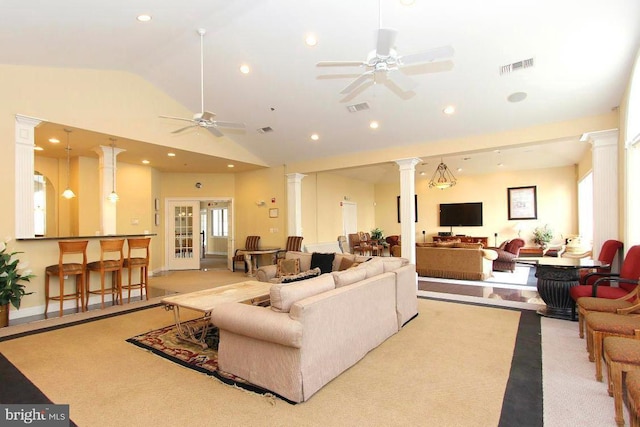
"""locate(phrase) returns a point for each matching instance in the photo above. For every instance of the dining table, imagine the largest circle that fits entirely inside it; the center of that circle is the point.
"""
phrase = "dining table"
(555, 277)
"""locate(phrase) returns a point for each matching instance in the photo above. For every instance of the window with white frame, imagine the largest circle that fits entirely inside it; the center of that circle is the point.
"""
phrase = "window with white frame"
(219, 222)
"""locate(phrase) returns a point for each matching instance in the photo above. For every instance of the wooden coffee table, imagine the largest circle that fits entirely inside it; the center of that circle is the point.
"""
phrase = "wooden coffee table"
(206, 301)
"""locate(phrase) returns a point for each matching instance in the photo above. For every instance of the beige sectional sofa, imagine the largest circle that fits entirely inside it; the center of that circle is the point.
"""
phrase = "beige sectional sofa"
(316, 328)
(464, 261)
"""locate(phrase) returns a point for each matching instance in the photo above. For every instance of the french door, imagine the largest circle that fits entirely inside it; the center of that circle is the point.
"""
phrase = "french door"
(184, 235)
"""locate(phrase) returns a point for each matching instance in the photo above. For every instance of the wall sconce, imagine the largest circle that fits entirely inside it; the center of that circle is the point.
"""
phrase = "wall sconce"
(260, 203)
(68, 192)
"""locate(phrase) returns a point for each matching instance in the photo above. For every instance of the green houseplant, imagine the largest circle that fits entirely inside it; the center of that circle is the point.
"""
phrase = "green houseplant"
(376, 234)
(13, 274)
(542, 235)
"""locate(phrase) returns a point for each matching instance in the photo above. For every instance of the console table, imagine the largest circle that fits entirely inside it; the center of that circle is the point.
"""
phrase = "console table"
(463, 239)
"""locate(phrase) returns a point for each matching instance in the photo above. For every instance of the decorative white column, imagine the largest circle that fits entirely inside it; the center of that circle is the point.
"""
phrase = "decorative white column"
(294, 204)
(605, 186)
(107, 169)
(407, 207)
(25, 140)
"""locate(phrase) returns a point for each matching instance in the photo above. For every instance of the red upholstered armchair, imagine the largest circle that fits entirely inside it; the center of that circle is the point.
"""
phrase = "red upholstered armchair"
(608, 252)
(508, 251)
(251, 244)
(627, 280)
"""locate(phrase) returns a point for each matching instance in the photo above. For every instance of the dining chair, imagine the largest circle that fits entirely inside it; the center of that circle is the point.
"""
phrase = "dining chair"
(139, 247)
(622, 355)
(632, 382)
(251, 244)
(63, 269)
(294, 243)
(111, 261)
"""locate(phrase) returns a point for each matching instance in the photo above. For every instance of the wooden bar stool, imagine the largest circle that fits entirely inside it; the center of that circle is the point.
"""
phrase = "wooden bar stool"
(62, 269)
(105, 265)
(131, 262)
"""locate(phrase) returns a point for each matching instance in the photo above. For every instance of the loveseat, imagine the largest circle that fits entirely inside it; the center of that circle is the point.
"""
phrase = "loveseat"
(317, 328)
(454, 260)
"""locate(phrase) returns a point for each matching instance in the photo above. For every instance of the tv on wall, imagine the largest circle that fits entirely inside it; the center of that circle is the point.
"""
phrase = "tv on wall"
(461, 214)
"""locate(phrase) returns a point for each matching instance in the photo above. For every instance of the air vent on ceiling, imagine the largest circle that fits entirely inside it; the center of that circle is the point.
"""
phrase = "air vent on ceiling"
(358, 107)
(265, 129)
(520, 65)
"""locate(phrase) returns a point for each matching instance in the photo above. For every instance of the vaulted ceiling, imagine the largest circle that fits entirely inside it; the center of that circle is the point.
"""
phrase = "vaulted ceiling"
(581, 53)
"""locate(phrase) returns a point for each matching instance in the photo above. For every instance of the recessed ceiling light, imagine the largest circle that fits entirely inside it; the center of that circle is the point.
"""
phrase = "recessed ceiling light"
(422, 173)
(517, 97)
(459, 169)
(231, 166)
(146, 162)
(38, 148)
(315, 136)
(244, 69)
(449, 109)
(171, 154)
(500, 165)
(54, 140)
(374, 125)
(311, 40)
(144, 18)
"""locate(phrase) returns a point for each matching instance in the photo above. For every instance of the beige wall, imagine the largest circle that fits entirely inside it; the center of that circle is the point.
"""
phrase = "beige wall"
(322, 194)
(557, 204)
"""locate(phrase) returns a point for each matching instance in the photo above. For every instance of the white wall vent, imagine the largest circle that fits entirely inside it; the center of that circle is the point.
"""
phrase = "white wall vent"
(265, 129)
(357, 107)
(520, 65)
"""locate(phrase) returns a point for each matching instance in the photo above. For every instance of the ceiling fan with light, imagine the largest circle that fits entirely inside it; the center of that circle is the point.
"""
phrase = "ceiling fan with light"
(205, 119)
(384, 61)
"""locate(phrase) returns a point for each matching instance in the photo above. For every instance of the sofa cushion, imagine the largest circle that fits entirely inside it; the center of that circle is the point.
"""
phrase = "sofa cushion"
(342, 261)
(283, 295)
(323, 261)
(392, 264)
(301, 276)
(448, 243)
(348, 277)
(373, 267)
(304, 257)
(468, 245)
(288, 267)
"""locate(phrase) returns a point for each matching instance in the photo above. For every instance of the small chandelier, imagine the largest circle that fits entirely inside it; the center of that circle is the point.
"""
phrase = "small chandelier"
(68, 193)
(113, 197)
(442, 177)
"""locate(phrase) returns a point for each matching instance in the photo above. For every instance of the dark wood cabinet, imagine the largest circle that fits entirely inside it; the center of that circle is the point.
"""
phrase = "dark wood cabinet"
(463, 239)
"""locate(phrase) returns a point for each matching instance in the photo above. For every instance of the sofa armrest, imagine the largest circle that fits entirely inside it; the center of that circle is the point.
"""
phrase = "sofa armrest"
(266, 272)
(259, 323)
(489, 254)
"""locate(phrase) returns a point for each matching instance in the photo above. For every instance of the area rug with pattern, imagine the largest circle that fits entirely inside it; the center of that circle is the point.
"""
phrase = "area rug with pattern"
(165, 343)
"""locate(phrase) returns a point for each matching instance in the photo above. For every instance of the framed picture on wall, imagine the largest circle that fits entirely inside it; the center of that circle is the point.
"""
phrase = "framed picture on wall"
(415, 202)
(522, 202)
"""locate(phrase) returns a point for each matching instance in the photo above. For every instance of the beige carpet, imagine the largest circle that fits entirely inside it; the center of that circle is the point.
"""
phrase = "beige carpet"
(448, 367)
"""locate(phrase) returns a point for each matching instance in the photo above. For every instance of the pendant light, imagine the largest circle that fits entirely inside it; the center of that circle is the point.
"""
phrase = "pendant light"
(68, 193)
(113, 197)
(442, 177)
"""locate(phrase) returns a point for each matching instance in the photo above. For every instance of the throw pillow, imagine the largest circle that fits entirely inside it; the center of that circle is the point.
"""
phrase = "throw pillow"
(301, 276)
(323, 261)
(288, 267)
(345, 263)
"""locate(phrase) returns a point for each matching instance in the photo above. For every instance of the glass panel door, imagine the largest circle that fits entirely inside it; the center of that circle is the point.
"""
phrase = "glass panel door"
(184, 240)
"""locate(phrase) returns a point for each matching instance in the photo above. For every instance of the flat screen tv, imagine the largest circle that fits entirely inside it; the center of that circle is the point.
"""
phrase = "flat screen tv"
(461, 214)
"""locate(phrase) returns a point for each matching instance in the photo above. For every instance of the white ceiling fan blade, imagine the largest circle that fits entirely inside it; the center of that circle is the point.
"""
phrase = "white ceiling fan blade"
(386, 41)
(214, 130)
(401, 80)
(176, 118)
(357, 82)
(340, 64)
(229, 124)
(428, 56)
(184, 128)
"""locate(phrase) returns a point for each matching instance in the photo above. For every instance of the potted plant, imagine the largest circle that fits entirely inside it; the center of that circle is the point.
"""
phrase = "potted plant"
(376, 234)
(12, 276)
(542, 235)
